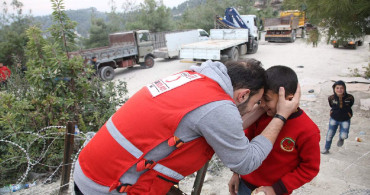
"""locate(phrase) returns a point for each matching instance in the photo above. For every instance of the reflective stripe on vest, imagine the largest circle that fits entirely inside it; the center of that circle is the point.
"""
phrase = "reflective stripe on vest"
(127, 145)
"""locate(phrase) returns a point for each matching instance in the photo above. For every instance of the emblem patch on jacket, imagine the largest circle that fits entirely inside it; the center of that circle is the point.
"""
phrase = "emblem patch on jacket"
(287, 144)
(171, 82)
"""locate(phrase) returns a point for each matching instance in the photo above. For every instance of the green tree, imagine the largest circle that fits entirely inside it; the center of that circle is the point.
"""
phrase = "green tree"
(13, 38)
(99, 33)
(203, 16)
(117, 20)
(56, 89)
(152, 15)
(341, 19)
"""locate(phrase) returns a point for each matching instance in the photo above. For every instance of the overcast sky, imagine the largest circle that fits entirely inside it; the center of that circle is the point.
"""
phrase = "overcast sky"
(43, 7)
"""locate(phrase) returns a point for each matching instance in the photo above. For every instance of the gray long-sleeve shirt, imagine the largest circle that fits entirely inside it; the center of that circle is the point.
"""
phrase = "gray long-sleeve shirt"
(218, 122)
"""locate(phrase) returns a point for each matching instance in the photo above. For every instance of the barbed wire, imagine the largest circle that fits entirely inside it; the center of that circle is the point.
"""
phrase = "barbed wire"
(33, 161)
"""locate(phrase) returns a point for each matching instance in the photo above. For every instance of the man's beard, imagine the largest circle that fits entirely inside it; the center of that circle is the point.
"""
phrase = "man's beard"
(243, 106)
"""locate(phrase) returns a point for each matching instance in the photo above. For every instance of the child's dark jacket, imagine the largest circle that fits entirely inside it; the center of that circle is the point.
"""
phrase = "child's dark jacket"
(341, 106)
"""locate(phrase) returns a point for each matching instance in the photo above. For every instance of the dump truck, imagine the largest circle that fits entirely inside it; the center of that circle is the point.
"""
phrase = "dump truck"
(223, 44)
(126, 49)
(286, 28)
(301, 15)
(174, 41)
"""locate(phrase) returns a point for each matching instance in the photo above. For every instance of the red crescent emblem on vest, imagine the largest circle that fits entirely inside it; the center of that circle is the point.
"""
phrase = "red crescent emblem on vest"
(177, 78)
(287, 144)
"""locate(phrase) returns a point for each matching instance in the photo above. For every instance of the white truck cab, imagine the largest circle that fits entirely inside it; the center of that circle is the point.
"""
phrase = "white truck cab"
(203, 35)
(251, 22)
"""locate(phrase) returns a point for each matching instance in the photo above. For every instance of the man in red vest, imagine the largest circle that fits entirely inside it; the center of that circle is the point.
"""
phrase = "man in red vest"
(4, 75)
(172, 127)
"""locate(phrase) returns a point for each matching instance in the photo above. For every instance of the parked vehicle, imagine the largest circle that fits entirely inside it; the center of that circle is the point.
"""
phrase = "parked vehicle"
(223, 44)
(301, 15)
(347, 43)
(125, 49)
(176, 39)
(290, 25)
(281, 29)
(233, 20)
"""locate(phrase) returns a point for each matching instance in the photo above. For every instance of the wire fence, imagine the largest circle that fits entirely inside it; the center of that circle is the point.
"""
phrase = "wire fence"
(46, 184)
(61, 171)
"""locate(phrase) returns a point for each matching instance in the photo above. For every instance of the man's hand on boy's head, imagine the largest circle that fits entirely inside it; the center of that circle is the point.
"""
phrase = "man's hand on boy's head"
(287, 107)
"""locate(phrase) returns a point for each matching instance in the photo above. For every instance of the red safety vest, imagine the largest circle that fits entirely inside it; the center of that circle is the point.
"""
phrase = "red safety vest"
(147, 119)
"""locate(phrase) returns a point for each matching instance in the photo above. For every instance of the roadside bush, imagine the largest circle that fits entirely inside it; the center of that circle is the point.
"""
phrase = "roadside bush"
(55, 89)
(358, 73)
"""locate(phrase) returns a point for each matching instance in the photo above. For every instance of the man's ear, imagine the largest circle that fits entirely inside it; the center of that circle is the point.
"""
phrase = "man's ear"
(243, 95)
(289, 97)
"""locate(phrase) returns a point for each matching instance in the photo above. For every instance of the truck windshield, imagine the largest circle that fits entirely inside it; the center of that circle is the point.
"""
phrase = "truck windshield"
(144, 37)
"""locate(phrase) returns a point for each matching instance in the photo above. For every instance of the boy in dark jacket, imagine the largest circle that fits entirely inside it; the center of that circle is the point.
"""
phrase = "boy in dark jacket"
(340, 115)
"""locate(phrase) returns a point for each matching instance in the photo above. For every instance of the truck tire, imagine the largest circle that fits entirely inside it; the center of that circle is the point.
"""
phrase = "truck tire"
(233, 54)
(148, 62)
(107, 73)
(254, 47)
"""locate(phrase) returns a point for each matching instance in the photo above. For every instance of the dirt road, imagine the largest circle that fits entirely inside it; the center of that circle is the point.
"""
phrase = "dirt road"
(345, 170)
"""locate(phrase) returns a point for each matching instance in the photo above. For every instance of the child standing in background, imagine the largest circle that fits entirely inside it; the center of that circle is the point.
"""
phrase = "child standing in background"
(340, 115)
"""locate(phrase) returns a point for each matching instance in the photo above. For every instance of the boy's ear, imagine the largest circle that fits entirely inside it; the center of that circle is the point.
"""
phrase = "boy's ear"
(289, 97)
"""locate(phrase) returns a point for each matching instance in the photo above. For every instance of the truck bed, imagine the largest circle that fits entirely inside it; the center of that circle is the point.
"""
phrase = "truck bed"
(211, 49)
(282, 23)
(107, 54)
(278, 27)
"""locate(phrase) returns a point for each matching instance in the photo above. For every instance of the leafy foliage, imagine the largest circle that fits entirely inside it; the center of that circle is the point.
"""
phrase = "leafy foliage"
(81, 16)
(54, 90)
(345, 19)
(202, 16)
(152, 15)
(99, 32)
(12, 35)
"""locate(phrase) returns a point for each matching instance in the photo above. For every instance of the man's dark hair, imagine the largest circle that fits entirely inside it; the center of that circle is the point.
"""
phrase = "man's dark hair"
(247, 73)
(281, 76)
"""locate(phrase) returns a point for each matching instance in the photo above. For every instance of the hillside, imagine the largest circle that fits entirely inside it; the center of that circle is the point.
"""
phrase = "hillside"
(81, 16)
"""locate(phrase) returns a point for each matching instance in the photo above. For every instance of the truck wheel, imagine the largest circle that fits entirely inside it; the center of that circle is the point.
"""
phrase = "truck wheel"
(149, 62)
(336, 45)
(107, 73)
(233, 53)
(254, 47)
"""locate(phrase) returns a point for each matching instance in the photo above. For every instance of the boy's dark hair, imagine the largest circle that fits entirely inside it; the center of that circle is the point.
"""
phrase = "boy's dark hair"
(281, 76)
(247, 73)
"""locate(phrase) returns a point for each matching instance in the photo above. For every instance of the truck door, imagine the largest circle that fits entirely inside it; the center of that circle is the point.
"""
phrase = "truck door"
(145, 44)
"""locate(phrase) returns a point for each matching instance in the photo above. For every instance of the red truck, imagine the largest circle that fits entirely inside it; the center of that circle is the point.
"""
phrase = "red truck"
(125, 49)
